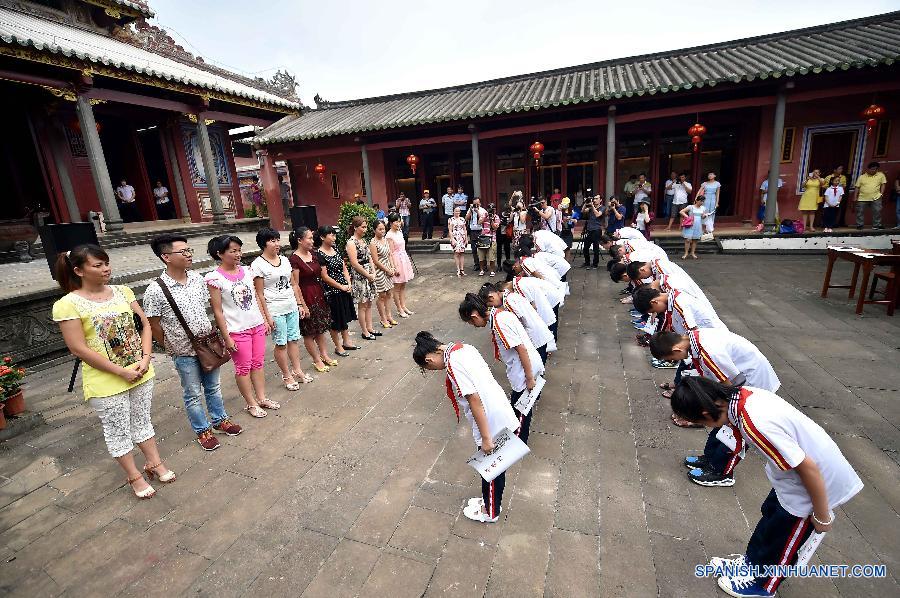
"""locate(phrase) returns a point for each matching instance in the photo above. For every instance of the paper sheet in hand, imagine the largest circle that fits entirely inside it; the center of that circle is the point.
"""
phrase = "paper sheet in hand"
(805, 552)
(526, 401)
(509, 449)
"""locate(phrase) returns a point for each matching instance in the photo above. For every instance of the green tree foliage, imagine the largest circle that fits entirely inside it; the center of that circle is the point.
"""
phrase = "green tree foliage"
(348, 211)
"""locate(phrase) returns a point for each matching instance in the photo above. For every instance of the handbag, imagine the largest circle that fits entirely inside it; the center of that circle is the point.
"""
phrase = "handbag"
(484, 241)
(687, 221)
(210, 348)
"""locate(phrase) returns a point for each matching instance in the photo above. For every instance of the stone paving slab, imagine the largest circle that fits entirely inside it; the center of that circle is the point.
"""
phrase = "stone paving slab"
(354, 487)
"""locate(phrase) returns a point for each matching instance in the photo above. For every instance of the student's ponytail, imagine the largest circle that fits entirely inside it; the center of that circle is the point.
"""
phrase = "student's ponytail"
(67, 261)
(425, 343)
(471, 303)
(696, 398)
(486, 289)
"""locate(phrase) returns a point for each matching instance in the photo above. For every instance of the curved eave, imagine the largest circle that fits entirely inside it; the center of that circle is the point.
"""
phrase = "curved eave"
(733, 78)
(86, 57)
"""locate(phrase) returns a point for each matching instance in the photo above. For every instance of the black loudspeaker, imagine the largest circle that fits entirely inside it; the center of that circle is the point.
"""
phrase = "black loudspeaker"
(59, 238)
(304, 216)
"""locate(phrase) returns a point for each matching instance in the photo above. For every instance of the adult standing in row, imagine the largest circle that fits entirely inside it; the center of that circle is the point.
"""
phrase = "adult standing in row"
(281, 304)
(628, 190)
(191, 296)
(127, 199)
(448, 203)
(504, 233)
(306, 277)
(487, 256)
(459, 241)
(669, 194)
(165, 209)
(403, 269)
(362, 278)
(642, 191)
(97, 322)
(593, 211)
(380, 251)
(681, 192)
(427, 207)
(336, 280)
(239, 317)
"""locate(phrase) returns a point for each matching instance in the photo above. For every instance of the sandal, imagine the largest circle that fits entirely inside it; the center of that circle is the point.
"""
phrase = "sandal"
(408, 312)
(269, 404)
(666, 394)
(350, 348)
(683, 423)
(667, 386)
(393, 322)
(166, 478)
(256, 411)
(368, 337)
(332, 362)
(303, 378)
(341, 353)
(147, 492)
(403, 315)
(290, 385)
(321, 369)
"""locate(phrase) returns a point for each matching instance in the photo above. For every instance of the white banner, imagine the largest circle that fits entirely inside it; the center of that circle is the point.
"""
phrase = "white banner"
(508, 449)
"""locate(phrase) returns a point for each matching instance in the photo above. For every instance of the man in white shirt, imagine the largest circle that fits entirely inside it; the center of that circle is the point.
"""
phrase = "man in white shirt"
(512, 346)
(726, 357)
(449, 204)
(548, 216)
(127, 198)
(427, 207)
(763, 198)
(682, 190)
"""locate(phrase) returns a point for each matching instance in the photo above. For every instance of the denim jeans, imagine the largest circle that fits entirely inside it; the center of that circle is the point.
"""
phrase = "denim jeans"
(405, 221)
(192, 379)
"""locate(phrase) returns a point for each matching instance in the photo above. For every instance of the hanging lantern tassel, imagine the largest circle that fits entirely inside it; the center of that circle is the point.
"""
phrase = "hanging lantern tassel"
(320, 170)
(537, 148)
(697, 131)
(873, 114)
(413, 161)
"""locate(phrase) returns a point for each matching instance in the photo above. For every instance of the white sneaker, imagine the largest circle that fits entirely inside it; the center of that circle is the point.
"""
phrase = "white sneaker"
(474, 512)
(475, 501)
(732, 560)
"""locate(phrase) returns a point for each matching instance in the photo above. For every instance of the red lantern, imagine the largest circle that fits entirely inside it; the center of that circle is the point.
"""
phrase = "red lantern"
(413, 161)
(697, 131)
(536, 149)
(320, 170)
(872, 114)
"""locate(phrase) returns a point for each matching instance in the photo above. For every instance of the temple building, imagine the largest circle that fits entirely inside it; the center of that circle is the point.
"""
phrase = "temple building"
(800, 96)
(94, 95)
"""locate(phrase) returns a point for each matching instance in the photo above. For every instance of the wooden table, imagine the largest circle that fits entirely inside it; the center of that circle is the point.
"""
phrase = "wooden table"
(865, 260)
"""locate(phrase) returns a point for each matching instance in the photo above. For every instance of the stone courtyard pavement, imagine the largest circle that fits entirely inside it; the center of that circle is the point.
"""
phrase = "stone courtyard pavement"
(355, 486)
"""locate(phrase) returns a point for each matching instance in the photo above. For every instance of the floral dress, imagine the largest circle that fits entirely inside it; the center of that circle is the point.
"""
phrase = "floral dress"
(319, 319)
(340, 303)
(458, 237)
(363, 289)
(383, 283)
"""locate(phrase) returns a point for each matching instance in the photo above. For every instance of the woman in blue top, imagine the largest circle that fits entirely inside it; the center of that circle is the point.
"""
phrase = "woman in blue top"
(693, 232)
(710, 191)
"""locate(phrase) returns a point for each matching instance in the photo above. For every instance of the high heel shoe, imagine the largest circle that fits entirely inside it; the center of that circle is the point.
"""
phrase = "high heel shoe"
(393, 322)
(166, 478)
(369, 337)
(376, 333)
(385, 325)
(290, 385)
(409, 312)
(403, 315)
(322, 369)
(147, 492)
(331, 362)
(304, 378)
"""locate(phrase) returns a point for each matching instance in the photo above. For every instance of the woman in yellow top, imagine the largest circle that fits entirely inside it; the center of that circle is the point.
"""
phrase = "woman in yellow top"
(809, 201)
(97, 322)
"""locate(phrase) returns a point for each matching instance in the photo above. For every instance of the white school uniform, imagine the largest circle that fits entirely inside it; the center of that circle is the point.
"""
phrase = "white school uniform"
(785, 437)
(642, 251)
(532, 266)
(724, 356)
(531, 320)
(557, 263)
(469, 373)
(508, 333)
(685, 313)
(627, 232)
(674, 276)
(544, 295)
(550, 242)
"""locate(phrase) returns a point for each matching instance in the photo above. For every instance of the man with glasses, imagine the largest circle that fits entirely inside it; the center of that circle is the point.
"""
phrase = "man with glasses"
(189, 291)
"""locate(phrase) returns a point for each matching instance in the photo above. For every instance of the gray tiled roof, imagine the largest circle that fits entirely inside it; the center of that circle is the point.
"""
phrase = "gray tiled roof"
(24, 30)
(139, 5)
(858, 43)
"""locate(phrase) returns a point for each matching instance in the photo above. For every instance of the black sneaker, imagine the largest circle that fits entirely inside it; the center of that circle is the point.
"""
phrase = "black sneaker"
(696, 462)
(704, 477)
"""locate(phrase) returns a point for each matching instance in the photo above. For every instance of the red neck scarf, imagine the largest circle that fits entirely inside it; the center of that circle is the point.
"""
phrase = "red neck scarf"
(451, 378)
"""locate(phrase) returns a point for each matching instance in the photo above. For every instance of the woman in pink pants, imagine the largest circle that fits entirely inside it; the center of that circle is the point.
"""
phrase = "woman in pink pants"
(241, 321)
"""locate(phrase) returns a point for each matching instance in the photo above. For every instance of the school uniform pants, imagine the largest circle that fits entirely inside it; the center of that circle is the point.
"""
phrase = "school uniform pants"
(721, 458)
(524, 420)
(542, 351)
(830, 216)
(492, 494)
(776, 539)
(555, 326)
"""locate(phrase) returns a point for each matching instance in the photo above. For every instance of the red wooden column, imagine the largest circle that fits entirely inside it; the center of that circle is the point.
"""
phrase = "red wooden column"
(268, 176)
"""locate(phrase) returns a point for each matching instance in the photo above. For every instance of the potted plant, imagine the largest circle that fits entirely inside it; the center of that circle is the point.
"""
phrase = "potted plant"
(11, 377)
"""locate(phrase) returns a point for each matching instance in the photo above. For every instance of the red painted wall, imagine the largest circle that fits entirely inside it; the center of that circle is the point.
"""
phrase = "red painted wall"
(308, 190)
(822, 112)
